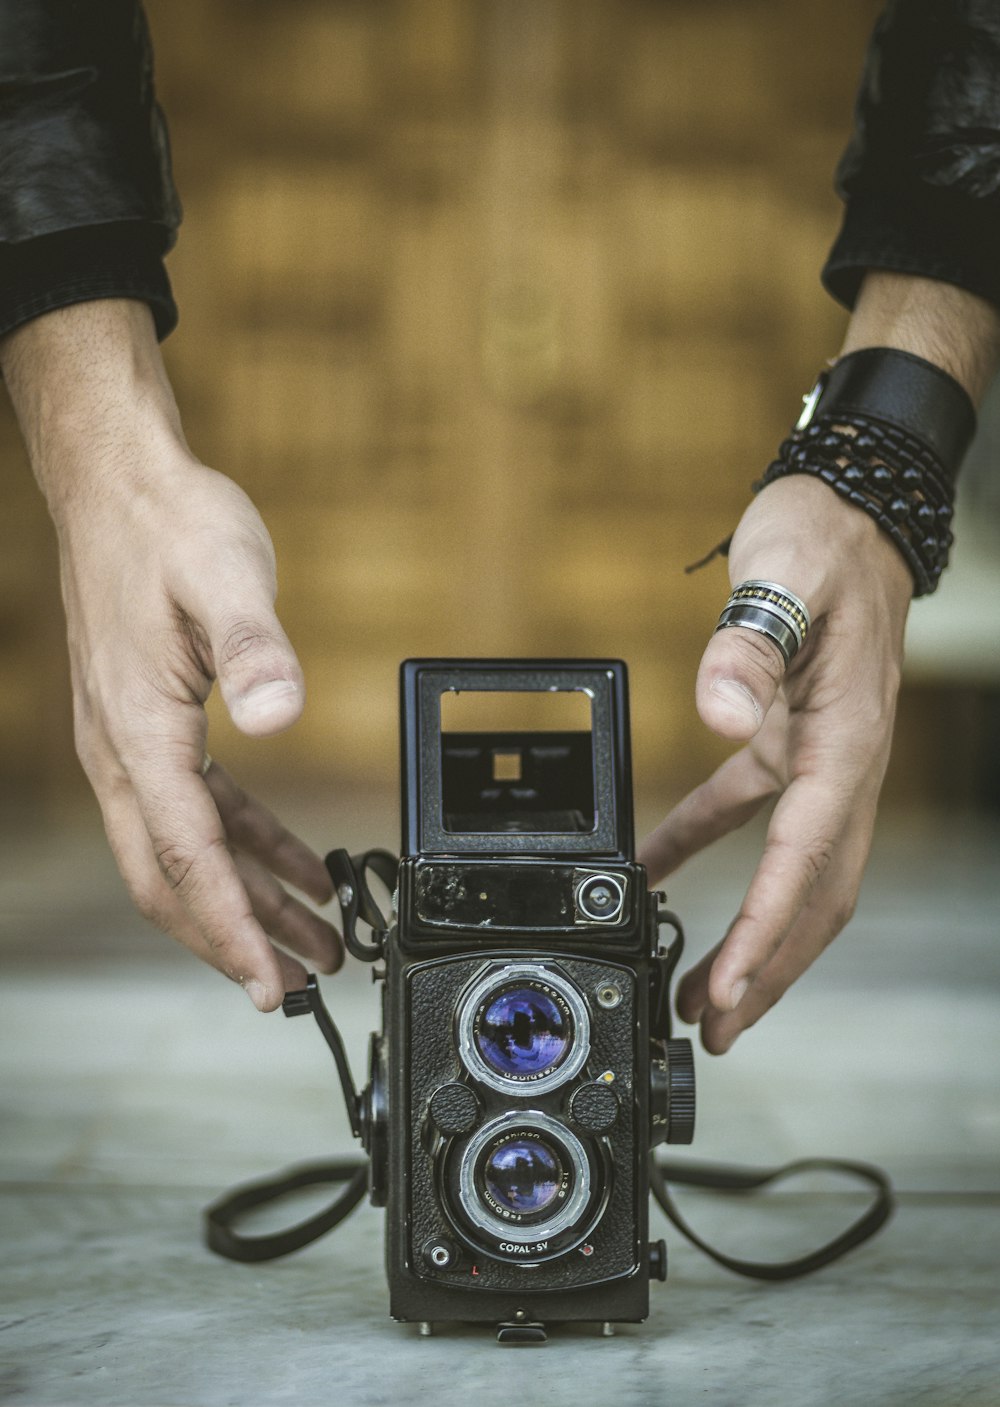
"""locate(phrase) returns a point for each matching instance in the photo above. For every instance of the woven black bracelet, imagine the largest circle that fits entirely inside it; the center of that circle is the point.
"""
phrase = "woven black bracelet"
(887, 431)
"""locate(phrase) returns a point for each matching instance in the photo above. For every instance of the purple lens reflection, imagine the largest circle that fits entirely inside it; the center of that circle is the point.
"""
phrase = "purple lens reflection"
(524, 1175)
(523, 1033)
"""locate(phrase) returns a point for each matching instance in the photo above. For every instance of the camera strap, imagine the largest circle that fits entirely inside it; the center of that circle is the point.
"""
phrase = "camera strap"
(222, 1237)
(715, 1177)
(222, 1217)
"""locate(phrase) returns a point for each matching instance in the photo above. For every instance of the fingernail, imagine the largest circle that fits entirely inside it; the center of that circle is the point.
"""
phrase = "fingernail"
(737, 992)
(260, 704)
(739, 698)
(257, 993)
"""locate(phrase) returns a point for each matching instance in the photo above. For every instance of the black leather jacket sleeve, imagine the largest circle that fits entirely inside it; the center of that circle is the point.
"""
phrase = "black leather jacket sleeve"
(921, 175)
(88, 208)
(87, 204)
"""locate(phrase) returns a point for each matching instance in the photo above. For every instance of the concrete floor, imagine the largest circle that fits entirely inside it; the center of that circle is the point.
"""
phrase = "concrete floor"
(137, 1085)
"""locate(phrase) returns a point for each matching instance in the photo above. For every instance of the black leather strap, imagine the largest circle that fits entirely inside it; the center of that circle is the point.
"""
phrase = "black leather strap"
(221, 1237)
(718, 1178)
(900, 389)
(234, 1245)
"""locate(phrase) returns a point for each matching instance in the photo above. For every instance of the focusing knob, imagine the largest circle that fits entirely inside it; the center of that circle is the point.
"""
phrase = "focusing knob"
(374, 1111)
(680, 1091)
(657, 1260)
(594, 1107)
(454, 1109)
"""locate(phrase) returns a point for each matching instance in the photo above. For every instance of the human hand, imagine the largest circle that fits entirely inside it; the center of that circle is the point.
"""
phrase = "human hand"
(169, 583)
(817, 738)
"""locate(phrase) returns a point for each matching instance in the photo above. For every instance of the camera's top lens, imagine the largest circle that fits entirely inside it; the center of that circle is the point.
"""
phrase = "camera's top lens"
(523, 1028)
(523, 1032)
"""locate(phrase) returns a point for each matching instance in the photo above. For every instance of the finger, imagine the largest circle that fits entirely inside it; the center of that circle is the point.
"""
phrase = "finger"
(259, 675)
(189, 845)
(154, 898)
(692, 990)
(158, 902)
(827, 913)
(252, 828)
(738, 678)
(286, 920)
(802, 836)
(293, 975)
(732, 795)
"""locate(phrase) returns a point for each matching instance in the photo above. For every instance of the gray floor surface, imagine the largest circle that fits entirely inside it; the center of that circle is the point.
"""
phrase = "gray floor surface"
(136, 1085)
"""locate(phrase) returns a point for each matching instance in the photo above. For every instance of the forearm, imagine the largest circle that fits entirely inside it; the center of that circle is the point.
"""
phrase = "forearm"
(956, 330)
(92, 397)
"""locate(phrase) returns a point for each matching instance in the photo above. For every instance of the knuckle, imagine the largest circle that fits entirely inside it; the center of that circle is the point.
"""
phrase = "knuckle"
(182, 863)
(177, 864)
(761, 660)
(816, 859)
(813, 857)
(242, 639)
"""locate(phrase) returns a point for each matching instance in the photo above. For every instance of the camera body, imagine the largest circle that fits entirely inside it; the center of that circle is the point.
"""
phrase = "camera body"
(525, 1068)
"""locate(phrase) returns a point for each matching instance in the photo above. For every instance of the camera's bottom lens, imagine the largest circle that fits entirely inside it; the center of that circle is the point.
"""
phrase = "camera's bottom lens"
(524, 1175)
(525, 1188)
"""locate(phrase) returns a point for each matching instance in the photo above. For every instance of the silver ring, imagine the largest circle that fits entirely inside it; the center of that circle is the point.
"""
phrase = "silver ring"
(573, 1196)
(771, 610)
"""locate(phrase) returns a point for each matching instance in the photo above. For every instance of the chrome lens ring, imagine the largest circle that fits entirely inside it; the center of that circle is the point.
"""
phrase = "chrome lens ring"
(574, 1199)
(552, 987)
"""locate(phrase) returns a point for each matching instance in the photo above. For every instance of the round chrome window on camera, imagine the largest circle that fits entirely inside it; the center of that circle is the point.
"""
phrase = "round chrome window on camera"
(525, 1179)
(599, 898)
(523, 1029)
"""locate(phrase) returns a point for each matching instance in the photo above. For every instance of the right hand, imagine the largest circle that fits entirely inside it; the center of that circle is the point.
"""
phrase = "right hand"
(166, 591)
(169, 583)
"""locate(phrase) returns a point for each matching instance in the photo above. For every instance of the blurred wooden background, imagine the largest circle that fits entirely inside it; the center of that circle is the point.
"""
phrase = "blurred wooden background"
(496, 308)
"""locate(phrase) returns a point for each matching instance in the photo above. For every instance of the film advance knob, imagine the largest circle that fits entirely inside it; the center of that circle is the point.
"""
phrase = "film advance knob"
(454, 1109)
(680, 1091)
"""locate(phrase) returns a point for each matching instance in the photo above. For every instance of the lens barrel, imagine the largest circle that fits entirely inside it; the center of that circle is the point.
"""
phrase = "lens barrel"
(523, 1029)
(526, 1187)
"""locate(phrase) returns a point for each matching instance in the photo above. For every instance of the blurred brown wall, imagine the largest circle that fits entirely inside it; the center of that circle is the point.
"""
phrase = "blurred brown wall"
(495, 307)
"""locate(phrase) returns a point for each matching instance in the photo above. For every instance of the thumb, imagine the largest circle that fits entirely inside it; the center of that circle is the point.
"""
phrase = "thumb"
(738, 679)
(258, 673)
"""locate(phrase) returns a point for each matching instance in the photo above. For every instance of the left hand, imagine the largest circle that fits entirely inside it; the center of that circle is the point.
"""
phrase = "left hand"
(817, 738)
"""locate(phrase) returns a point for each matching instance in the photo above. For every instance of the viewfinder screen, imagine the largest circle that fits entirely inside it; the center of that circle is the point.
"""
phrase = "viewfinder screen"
(517, 761)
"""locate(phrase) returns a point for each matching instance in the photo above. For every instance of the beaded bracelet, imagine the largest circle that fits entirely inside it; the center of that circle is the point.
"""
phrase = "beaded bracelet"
(887, 431)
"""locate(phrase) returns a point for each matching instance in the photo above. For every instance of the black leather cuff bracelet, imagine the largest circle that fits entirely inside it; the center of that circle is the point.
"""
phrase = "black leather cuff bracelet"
(888, 432)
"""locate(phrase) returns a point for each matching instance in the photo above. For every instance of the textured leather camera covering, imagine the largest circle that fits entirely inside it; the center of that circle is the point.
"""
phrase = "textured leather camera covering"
(431, 1058)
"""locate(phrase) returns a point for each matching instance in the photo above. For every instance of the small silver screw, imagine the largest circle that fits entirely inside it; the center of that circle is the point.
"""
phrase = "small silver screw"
(346, 894)
(609, 996)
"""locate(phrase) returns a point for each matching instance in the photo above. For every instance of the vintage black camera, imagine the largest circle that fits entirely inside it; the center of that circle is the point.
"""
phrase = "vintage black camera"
(525, 1068)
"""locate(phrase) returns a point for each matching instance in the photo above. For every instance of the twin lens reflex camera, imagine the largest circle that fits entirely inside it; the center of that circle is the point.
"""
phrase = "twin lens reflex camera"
(525, 1068)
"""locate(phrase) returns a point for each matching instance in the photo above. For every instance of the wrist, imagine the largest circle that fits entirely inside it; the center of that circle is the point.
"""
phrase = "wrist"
(92, 398)
(953, 329)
